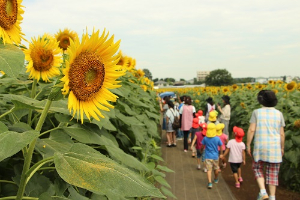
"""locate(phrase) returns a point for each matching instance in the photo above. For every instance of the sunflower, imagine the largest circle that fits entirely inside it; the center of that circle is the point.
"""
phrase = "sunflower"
(290, 86)
(89, 74)
(63, 37)
(10, 20)
(235, 87)
(225, 90)
(271, 82)
(197, 101)
(279, 82)
(243, 105)
(144, 87)
(249, 86)
(44, 58)
(275, 91)
(139, 73)
(297, 123)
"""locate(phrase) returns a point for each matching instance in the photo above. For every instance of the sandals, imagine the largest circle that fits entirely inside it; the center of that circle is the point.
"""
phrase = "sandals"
(237, 185)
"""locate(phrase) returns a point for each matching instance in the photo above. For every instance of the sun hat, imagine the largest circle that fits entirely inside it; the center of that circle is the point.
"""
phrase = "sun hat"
(267, 98)
(195, 123)
(204, 128)
(211, 130)
(212, 116)
(197, 115)
(239, 133)
(200, 112)
(219, 128)
(226, 98)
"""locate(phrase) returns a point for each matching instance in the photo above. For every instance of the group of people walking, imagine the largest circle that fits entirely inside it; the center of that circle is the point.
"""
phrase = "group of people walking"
(209, 133)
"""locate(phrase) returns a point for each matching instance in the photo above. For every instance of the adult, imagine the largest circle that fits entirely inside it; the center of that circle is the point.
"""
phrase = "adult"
(164, 109)
(187, 113)
(179, 131)
(225, 113)
(267, 128)
(170, 116)
(210, 106)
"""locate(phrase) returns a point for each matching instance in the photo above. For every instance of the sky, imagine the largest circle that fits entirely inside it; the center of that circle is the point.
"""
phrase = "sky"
(177, 38)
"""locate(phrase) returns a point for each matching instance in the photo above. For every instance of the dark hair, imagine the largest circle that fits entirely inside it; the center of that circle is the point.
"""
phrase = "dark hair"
(226, 99)
(170, 104)
(167, 99)
(182, 98)
(210, 101)
(267, 98)
(188, 100)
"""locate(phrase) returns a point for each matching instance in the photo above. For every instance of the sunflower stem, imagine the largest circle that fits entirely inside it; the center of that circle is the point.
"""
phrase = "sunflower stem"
(8, 112)
(32, 95)
(28, 157)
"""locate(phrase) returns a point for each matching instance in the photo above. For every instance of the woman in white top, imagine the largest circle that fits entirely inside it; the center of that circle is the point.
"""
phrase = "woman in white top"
(225, 113)
(170, 116)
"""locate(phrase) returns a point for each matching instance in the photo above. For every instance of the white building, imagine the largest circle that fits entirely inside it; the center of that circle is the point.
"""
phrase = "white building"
(261, 80)
(202, 74)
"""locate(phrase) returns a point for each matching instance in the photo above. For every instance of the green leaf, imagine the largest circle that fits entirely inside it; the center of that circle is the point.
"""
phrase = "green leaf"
(75, 196)
(11, 59)
(3, 127)
(87, 168)
(58, 141)
(39, 184)
(168, 192)
(126, 159)
(137, 148)
(12, 142)
(127, 108)
(151, 165)
(162, 181)
(46, 196)
(157, 157)
(128, 120)
(164, 168)
(296, 140)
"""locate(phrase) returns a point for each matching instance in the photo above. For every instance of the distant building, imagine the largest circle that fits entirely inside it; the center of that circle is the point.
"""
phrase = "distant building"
(288, 79)
(179, 83)
(276, 78)
(261, 80)
(201, 75)
(161, 83)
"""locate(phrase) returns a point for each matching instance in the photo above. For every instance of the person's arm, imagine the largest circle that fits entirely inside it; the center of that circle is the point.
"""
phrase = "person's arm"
(250, 135)
(194, 140)
(221, 151)
(282, 139)
(225, 153)
(244, 158)
(167, 120)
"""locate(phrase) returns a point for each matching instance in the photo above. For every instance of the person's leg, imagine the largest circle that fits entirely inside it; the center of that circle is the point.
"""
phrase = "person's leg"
(258, 173)
(209, 167)
(169, 138)
(198, 159)
(174, 138)
(185, 140)
(272, 172)
(216, 169)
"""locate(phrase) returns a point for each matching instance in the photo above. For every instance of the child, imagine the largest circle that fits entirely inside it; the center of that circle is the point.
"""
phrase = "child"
(201, 117)
(212, 117)
(170, 117)
(224, 139)
(211, 143)
(236, 148)
(198, 138)
(195, 128)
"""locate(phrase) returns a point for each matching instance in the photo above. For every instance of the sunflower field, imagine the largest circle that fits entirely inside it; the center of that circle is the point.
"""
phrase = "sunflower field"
(243, 101)
(77, 119)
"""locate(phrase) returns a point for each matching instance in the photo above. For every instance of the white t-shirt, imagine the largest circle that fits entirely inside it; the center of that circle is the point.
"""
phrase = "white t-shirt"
(236, 151)
(171, 113)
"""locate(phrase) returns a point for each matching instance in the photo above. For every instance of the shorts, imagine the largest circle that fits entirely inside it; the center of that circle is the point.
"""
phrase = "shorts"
(212, 164)
(170, 127)
(235, 167)
(199, 154)
(272, 171)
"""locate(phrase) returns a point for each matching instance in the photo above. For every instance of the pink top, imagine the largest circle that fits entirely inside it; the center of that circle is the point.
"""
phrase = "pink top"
(187, 117)
(223, 139)
(236, 151)
(199, 139)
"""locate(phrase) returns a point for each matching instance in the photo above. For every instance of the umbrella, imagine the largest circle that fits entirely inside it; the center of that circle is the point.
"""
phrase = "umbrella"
(162, 95)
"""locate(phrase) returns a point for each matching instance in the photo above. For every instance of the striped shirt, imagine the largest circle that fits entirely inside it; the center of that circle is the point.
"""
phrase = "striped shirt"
(267, 146)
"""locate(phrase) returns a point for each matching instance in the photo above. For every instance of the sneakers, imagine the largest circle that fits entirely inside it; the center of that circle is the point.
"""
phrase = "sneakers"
(180, 138)
(169, 145)
(205, 170)
(216, 180)
(240, 179)
(209, 185)
(198, 167)
(237, 185)
(262, 196)
(185, 151)
(174, 145)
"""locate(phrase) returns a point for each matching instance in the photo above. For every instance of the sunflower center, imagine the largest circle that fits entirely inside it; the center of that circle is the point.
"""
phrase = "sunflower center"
(290, 86)
(42, 59)
(8, 13)
(64, 42)
(86, 75)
